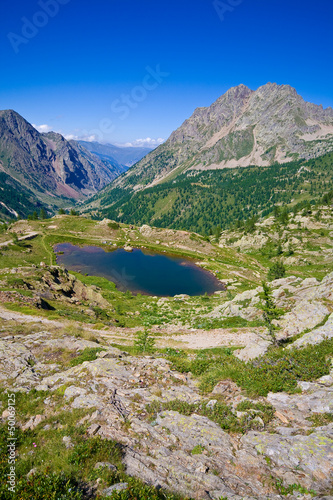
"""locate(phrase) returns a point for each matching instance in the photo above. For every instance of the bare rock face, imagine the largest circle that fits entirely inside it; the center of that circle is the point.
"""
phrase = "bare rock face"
(48, 163)
(190, 454)
(317, 335)
(298, 458)
(305, 315)
(56, 282)
(243, 127)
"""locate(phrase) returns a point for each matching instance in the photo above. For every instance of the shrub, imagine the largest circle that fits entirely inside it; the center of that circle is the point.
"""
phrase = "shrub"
(144, 342)
(113, 225)
(277, 271)
(270, 312)
(88, 354)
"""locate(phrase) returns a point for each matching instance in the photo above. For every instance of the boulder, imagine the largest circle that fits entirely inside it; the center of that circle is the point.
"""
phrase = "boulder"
(315, 336)
(105, 465)
(108, 492)
(146, 230)
(303, 316)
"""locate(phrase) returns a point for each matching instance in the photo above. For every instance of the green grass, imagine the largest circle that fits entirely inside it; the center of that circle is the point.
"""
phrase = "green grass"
(277, 371)
(88, 354)
(320, 419)
(220, 413)
(27, 403)
(232, 322)
(197, 450)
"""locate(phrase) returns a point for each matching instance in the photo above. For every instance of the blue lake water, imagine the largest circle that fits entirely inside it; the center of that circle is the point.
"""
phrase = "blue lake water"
(140, 271)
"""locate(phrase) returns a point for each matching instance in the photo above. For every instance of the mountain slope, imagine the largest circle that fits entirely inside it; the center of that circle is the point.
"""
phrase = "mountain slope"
(242, 128)
(202, 201)
(47, 164)
(124, 156)
(15, 200)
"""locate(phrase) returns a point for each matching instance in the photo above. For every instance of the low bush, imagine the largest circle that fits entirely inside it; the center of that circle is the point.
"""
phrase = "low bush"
(219, 413)
(88, 354)
(279, 370)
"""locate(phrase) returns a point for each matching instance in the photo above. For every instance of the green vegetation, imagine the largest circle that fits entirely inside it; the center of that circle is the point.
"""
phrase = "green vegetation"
(277, 371)
(89, 354)
(319, 419)
(270, 312)
(144, 342)
(277, 271)
(289, 490)
(231, 322)
(17, 198)
(218, 412)
(202, 201)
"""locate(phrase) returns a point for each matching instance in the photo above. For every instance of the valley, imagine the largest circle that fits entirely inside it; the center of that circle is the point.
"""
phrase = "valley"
(166, 324)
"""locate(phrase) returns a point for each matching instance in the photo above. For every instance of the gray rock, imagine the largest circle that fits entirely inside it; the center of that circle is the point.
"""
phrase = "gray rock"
(305, 315)
(317, 399)
(311, 454)
(73, 391)
(211, 403)
(315, 336)
(116, 487)
(31, 472)
(195, 430)
(253, 350)
(93, 429)
(67, 440)
(33, 422)
(106, 465)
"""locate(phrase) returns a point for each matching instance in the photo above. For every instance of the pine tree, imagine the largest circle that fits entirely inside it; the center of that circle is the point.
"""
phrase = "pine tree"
(270, 312)
(144, 342)
(42, 214)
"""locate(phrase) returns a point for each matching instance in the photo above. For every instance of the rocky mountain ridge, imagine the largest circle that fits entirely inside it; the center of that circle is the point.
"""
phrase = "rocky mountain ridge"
(48, 164)
(124, 156)
(243, 127)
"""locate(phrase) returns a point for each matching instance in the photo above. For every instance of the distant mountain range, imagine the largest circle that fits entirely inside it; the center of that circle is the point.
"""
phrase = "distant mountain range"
(125, 157)
(272, 125)
(45, 170)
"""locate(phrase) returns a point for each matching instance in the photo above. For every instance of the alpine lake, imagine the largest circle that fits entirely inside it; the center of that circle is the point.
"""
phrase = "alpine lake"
(140, 270)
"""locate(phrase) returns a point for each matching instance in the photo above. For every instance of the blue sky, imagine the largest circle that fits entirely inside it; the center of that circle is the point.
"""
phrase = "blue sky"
(123, 71)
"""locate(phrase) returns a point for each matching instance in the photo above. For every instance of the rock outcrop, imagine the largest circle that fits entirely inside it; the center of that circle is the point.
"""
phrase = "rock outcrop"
(189, 454)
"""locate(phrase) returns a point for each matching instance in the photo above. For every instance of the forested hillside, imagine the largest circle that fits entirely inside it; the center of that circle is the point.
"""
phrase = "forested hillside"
(202, 201)
(16, 200)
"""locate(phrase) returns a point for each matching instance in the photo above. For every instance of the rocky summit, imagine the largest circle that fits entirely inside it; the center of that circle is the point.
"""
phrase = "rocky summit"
(243, 127)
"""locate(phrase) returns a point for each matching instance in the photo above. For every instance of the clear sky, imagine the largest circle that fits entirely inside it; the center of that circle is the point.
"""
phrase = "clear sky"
(125, 70)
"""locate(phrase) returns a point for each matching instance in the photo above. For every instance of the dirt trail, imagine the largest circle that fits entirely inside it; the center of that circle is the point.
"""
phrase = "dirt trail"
(28, 236)
(169, 336)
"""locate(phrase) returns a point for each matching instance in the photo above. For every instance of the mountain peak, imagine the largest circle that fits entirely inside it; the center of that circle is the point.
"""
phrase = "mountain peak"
(10, 112)
(47, 164)
(238, 88)
(272, 124)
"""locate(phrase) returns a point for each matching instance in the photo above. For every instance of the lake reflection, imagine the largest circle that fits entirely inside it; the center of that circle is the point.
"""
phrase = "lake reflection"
(139, 271)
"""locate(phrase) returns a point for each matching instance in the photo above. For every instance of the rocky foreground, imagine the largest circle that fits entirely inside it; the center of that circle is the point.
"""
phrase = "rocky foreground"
(190, 454)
